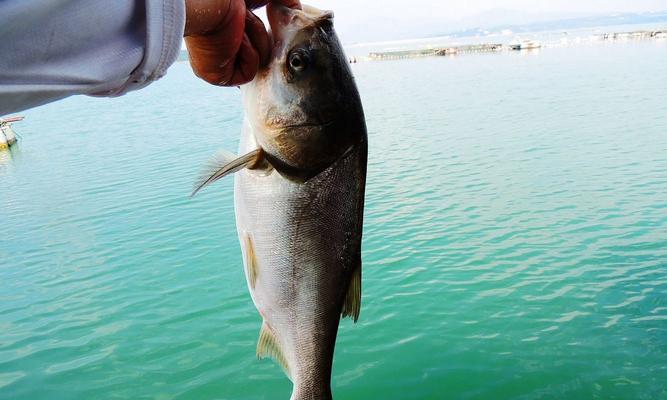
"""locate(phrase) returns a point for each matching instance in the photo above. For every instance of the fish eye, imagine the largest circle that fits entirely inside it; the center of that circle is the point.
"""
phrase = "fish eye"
(298, 60)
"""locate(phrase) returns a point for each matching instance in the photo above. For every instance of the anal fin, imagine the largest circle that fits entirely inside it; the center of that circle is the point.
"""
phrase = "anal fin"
(268, 346)
(352, 304)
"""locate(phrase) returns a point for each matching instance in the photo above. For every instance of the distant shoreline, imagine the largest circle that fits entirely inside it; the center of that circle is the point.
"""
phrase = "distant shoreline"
(517, 45)
(482, 46)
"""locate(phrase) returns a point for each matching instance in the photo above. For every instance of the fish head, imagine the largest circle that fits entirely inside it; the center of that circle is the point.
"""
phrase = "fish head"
(303, 106)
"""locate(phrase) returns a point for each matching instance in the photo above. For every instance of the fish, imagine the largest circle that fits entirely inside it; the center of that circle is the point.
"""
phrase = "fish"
(299, 187)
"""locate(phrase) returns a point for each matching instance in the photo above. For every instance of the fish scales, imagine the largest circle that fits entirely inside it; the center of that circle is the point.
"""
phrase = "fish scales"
(301, 235)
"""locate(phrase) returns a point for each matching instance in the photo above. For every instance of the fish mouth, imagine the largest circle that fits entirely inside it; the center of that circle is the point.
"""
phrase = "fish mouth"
(320, 125)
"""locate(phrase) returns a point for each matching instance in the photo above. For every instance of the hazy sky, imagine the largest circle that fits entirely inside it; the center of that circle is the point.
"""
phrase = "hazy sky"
(361, 20)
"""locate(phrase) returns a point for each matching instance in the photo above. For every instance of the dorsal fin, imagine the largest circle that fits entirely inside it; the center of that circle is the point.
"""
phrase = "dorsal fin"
(352, 304)
(225, 163)
(267, 346)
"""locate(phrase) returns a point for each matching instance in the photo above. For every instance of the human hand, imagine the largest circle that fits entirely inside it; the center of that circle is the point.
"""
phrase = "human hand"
(227, 42)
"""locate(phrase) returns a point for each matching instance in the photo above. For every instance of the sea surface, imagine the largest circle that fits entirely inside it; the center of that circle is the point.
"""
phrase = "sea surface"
(515, 242)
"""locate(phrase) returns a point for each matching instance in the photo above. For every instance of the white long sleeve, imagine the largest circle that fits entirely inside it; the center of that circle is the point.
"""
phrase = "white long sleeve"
(51, 49)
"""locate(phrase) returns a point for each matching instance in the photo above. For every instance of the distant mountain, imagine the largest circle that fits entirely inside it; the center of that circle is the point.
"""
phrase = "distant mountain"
(508, 17)
(398, 27)
(522, 22)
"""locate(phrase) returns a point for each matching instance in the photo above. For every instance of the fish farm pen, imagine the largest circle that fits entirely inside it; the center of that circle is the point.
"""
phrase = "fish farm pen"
(444, 51)
(498, 47)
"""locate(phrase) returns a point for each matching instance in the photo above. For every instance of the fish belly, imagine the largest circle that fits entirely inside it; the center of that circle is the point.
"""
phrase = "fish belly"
(300, 243)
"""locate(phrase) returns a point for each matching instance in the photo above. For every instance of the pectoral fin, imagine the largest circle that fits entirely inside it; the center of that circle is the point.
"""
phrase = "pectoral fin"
(352, 304)
(225, 163)
(268, 346)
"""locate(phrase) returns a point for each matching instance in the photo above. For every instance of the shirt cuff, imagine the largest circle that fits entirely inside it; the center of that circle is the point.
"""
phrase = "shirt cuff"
(165, 24)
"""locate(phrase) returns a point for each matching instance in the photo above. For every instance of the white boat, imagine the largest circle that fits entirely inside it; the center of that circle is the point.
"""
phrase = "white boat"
(7, 135)
(525, 45)
(530, 44)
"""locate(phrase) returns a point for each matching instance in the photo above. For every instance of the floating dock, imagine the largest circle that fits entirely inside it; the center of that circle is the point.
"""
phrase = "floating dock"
(7, 135)
(661, 34)
(437, 51)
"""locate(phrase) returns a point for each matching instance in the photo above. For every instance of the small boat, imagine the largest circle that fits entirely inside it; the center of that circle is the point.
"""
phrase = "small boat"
(446, 51)
(525, 45)
(7, 135)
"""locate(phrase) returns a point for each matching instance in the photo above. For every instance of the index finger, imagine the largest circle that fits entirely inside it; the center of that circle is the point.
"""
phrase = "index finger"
(256, 32)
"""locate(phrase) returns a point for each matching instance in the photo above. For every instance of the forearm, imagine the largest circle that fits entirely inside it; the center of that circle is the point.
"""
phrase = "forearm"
(57, 48)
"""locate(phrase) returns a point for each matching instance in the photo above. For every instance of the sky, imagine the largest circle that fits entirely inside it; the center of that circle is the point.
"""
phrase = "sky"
(365, 20)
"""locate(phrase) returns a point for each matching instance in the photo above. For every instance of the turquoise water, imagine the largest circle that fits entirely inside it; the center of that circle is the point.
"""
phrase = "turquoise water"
(515, 238)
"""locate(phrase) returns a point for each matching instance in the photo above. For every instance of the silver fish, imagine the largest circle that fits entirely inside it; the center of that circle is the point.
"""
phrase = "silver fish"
(299, 196)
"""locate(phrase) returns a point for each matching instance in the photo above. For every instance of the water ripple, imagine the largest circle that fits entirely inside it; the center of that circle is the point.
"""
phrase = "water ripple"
(514, 240)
